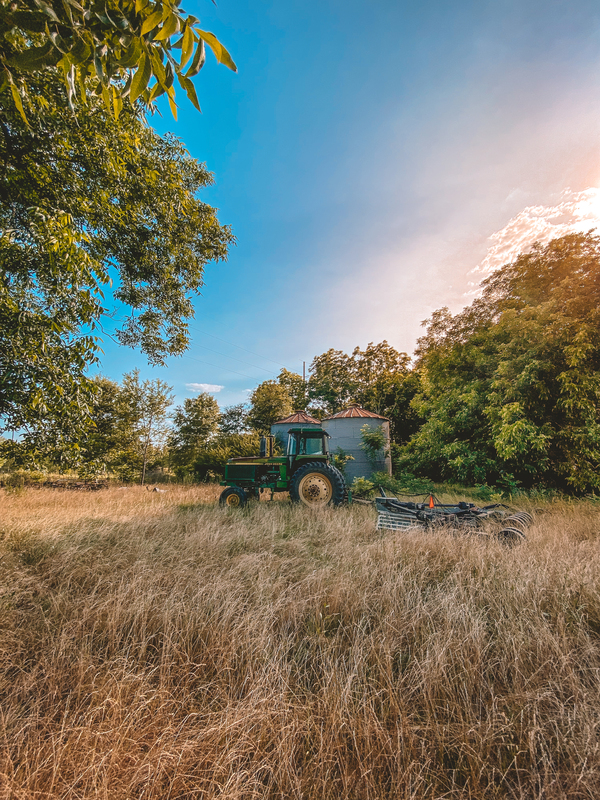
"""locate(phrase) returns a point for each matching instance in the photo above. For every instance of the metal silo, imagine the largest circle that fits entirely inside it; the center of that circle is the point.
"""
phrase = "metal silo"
(344, 430)
(299, 419)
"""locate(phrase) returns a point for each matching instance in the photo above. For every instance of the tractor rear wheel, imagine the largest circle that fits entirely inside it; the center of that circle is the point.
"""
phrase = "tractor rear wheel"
(233, 497)
(317, 485)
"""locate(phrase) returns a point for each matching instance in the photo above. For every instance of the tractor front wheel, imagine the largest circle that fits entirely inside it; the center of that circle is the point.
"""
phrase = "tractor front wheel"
(317, 485)
(233, 497)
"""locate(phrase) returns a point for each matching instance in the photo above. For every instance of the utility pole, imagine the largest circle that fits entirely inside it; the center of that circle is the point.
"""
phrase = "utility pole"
(304, 371)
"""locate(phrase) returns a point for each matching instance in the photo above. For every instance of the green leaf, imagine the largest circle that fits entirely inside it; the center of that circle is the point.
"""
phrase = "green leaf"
(47, 9)
(132, 55)
(158, 69)
(170, 76)
(152, 21)
(198, 61)
(157, 91)
(141, 78)
(187, 46)
(215, 45)
(99, 69)
(170, 27)
(17, 100)
(117, 102)
(171, 96)
(81, 73)
(36, 58)
(190, 90)
(75, 4)
(81, 51)
(59, 42)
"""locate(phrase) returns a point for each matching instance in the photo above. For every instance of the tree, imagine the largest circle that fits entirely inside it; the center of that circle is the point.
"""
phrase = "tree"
(296, 388)
(511, 385)
(148, 402)
(331, 384)
(194, 425)
(120, 49)
(110, 441)
(234, 419)
(386, 384)
(270, 401)
(87, 201)
(379, 378)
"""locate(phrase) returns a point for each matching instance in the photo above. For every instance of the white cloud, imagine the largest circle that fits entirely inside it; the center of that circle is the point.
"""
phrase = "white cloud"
(576, 212)
(211, 388)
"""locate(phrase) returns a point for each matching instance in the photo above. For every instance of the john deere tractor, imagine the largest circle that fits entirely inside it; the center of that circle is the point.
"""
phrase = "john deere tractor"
(305, 471)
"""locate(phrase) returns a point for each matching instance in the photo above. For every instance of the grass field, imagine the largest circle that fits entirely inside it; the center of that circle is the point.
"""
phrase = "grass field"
(153, 645)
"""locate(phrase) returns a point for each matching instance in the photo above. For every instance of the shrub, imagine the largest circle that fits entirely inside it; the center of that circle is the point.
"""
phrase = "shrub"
(373, 443)
(340, 459)
(361, 487)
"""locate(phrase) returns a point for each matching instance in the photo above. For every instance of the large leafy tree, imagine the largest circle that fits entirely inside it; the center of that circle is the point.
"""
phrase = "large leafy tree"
(511, 385)
(111, 444)
(269, 402)
(379, 378)
(98, 216)
(120, 49)
(195, 423)
(331, 385)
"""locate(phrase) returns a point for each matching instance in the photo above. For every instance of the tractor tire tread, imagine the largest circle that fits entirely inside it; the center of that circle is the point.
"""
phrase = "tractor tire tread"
(338, 483)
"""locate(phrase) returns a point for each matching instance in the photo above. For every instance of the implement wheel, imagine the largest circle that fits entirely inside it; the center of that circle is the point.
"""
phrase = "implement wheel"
(233, 497)
(317, 485)
(510, 536)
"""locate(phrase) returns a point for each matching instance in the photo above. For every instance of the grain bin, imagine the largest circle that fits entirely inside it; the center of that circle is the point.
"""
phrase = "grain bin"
(344, 428)
(299, 419)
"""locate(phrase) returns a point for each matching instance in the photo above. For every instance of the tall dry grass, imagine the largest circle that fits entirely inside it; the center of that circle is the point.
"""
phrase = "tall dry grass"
(156, 646)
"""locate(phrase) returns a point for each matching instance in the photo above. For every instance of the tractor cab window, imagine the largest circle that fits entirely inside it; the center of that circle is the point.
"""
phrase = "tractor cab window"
(292, 443)
(312, 446)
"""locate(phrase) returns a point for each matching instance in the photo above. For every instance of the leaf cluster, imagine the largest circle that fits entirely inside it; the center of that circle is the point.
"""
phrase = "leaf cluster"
(115, 49)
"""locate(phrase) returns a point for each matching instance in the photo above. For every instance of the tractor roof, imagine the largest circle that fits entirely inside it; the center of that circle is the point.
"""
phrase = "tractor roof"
(314, 431)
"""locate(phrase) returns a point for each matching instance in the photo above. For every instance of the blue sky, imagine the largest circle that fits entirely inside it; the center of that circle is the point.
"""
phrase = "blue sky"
(363, 155)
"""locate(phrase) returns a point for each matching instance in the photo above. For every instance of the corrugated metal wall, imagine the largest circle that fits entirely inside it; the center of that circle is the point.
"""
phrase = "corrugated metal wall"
(345, 434)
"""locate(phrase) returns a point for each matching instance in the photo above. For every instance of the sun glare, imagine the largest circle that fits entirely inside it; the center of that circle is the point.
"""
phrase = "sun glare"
(576, 212)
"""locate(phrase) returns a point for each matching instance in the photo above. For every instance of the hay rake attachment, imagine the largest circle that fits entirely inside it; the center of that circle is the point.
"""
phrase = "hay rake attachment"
(495, 520)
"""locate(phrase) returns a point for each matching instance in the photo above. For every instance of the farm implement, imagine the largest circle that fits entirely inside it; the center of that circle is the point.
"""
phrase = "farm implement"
(496, 520)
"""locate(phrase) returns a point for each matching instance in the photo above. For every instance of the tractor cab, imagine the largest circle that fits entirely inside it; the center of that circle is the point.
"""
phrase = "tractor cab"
(307, 442)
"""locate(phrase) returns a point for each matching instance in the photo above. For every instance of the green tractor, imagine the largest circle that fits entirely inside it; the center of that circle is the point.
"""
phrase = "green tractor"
(305, 471)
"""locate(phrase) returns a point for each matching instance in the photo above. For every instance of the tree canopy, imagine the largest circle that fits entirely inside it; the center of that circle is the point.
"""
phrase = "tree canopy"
(270, 401)
(511, 385)
(99, 219)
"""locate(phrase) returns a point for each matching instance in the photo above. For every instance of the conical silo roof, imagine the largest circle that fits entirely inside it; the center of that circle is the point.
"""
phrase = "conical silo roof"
(298, 418)
(353, 411)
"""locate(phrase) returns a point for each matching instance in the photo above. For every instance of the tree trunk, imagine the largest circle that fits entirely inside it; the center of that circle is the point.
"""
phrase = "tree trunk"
(146, 445)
